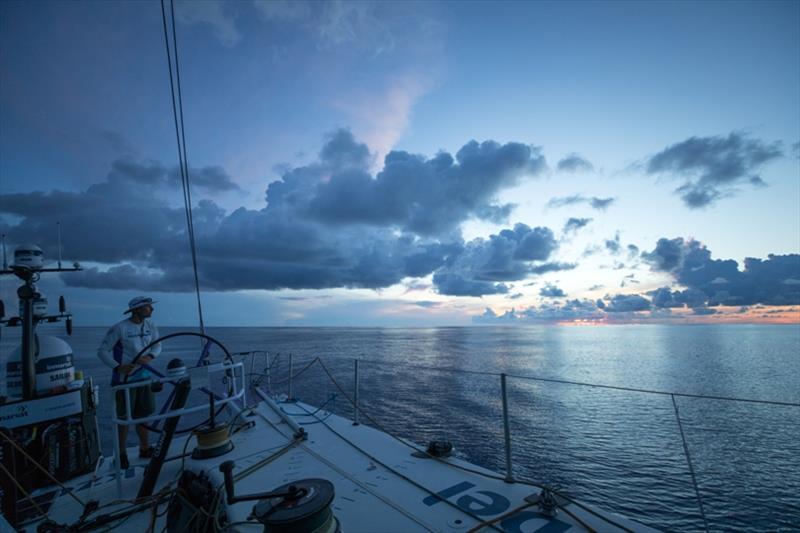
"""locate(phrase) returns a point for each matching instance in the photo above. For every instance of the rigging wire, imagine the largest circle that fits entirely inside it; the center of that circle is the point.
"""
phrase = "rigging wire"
(689, 461)
(584, 384)
(180, 135)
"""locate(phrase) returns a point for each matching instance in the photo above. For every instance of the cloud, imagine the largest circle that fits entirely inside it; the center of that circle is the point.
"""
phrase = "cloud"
(153, 174)
(547, 313)
(457, 285)
(327, 224)
(712, 166)
(627, 303)
(574, 224)
(551, 291)
(720, 282)
(613, 245)
(427, 304)
(423, 196)
(215, 15)
(596, 203)
(574, 163)
(510, 255)
(554, 266)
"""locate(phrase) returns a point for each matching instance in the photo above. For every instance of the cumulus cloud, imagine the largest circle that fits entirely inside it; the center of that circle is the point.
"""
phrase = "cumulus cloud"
(720, 282)
(551, 291)
(547, 313)
(421, 195)
(627, 303)
(574, 163)
(596, 203)
(327, 224)
(510, 255)
(712, 166)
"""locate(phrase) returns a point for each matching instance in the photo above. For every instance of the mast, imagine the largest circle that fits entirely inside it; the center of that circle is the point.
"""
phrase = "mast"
(27, 293)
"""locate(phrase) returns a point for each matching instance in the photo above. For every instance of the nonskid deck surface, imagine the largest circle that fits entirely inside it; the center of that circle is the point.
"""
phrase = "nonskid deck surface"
(379, 485)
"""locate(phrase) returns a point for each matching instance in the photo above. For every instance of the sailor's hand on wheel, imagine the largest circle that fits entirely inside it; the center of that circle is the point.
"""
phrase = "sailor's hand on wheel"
(126, 369)
(145, 359)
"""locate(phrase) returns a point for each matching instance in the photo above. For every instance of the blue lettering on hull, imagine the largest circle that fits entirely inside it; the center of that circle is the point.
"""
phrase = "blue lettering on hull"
(485, 504)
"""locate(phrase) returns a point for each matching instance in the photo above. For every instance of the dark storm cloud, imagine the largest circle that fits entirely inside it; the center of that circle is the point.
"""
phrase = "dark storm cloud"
(773, 281)
(325, 225)
(574, 163)
(551, 291)
(424, 196)
(594, 201)
(712, 166)
(574, 224)
(507, 256)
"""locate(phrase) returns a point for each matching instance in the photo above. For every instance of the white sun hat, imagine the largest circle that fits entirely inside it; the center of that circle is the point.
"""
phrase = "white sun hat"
(139, 301)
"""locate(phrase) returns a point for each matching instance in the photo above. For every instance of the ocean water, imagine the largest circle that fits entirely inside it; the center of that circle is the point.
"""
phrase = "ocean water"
(621, 450)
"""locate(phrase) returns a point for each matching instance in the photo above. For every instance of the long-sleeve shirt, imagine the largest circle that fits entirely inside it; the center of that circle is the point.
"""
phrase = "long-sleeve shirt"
(123, 341)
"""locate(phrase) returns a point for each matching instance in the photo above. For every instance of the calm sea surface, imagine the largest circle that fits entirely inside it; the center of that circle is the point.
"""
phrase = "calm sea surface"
(618, 449)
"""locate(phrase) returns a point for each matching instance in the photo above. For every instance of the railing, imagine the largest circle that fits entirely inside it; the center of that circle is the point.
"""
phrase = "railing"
(234, 372)
(274, 359)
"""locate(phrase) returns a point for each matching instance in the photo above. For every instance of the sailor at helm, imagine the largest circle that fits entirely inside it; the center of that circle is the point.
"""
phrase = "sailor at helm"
(123, 341)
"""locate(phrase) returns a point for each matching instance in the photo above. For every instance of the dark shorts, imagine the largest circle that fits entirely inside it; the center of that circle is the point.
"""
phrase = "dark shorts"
(143, 402)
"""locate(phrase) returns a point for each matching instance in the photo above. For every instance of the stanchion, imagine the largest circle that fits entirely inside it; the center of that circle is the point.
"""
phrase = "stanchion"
(506, 430)
(291, 370)
(355, 393)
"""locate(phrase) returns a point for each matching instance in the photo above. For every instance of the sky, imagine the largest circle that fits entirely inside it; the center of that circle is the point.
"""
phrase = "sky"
(409, 164)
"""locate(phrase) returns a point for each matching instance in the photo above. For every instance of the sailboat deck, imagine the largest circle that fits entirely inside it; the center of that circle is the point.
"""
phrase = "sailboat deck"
(379, 485)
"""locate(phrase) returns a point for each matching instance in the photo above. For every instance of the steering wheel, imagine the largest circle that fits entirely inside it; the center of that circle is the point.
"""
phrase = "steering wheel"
(202, 361)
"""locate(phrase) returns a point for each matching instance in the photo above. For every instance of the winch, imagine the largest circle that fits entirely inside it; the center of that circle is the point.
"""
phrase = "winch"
(301, 506)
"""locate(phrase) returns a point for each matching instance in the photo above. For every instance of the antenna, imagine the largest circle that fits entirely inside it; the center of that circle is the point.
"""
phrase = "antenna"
(58, 225)
(5, 260)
